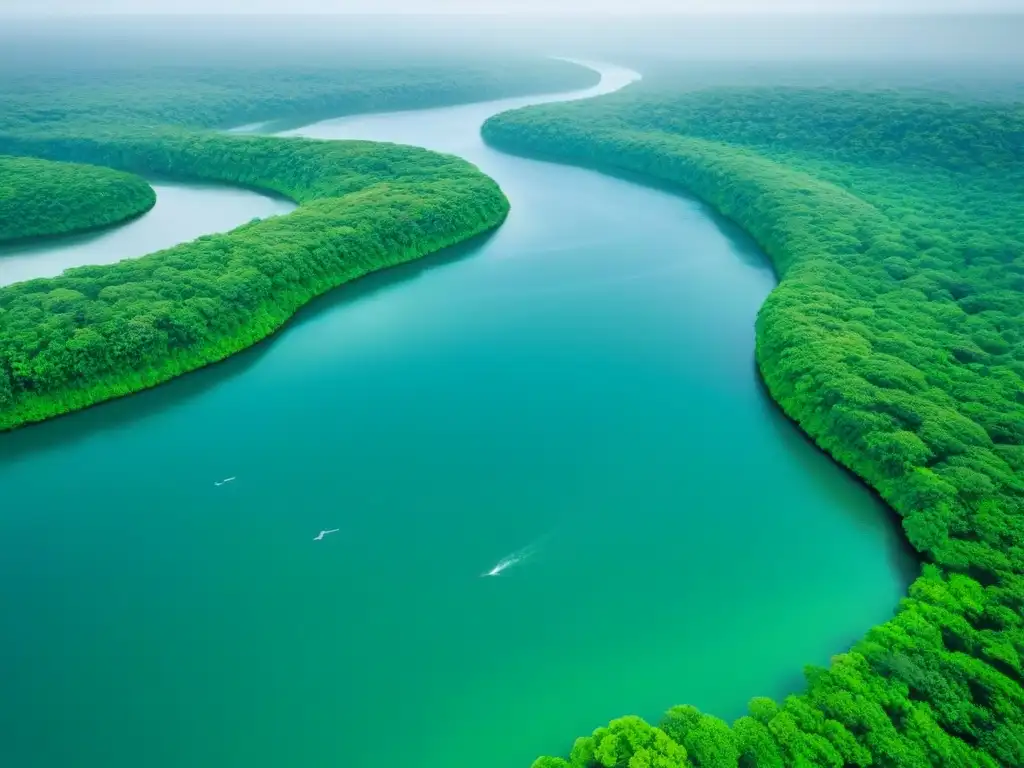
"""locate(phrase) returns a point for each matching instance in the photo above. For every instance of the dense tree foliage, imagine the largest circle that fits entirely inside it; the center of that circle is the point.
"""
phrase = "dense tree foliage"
(930, 78)
(221, 96)
(896, 340)
(99, 332)
(39, 197)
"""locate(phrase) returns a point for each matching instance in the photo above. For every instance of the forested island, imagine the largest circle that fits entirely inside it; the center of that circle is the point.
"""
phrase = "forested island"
(100, 332)
(39, 197)
(895, 339)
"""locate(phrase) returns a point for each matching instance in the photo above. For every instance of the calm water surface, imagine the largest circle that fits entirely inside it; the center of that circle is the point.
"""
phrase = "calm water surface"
(578, 388)
(182, 212)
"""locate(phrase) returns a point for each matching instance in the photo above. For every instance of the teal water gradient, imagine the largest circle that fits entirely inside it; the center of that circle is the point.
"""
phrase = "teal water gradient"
(582, 381)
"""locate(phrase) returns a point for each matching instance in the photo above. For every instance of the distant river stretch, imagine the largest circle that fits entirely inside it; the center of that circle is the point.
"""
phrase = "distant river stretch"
(550, 491)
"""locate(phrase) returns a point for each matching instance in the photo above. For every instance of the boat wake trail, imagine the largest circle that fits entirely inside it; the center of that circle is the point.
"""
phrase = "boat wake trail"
(516, 558)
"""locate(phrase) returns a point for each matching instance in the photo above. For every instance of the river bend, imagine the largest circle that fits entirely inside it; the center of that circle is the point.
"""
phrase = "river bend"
(574, 396)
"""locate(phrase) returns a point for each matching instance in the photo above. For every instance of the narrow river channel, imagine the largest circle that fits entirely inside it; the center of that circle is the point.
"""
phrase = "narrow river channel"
(182, 212)
(570, 403)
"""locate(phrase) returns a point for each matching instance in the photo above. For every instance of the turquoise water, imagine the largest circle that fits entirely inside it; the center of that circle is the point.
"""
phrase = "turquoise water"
(578, 387)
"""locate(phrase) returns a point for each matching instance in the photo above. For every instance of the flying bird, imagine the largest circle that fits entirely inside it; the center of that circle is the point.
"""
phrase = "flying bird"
(219, 483)
(496, 570)
(324, 533)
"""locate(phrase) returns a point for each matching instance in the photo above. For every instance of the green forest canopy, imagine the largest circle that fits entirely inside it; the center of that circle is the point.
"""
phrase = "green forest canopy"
(222, 96)
(99, 332)
(103, 331)
(896, 340)
(40, 197)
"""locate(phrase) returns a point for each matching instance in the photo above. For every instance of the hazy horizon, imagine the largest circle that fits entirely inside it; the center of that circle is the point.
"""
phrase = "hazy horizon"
(40, 39)
(518, 7)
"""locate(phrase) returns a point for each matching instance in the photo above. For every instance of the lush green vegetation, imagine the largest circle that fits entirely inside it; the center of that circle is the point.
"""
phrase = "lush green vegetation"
(223, 96)
(895, 339)
(100, 332)
(39, 197)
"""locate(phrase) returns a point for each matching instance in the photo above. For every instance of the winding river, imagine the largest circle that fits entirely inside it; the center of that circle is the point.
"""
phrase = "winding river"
(570, 403)
(182, 212)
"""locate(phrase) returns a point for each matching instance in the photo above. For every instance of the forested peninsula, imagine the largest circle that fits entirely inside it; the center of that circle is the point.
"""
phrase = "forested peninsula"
(100, 332)
(895, 339)
(39, 198)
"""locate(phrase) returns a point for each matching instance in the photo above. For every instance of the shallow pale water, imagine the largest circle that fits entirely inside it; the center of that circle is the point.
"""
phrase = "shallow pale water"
(578, 388)
(182, 212)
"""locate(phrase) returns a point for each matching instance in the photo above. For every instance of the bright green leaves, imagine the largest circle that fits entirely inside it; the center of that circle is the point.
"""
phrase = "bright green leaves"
(40, 198)
(896, 451)
(896, 340)
(100, 332)
(708, 741)
(628, 742)
(756, 745)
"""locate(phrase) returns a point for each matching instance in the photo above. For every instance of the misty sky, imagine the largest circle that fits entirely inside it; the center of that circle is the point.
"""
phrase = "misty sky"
(500, 6)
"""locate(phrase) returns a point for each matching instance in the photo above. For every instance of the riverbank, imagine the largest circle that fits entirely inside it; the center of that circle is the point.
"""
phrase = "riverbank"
(877, 342)
(131, 326)
(41, 199)
(104, 331)
(183, 212)
(548, 394)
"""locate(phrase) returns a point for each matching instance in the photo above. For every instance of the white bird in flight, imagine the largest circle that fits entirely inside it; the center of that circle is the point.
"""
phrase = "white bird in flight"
(324, 533)
(496, 570)
(219, 483)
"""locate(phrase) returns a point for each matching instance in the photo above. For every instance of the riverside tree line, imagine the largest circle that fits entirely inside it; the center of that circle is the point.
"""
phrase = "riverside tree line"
(40, 198)
(895, 339)
(99, 332)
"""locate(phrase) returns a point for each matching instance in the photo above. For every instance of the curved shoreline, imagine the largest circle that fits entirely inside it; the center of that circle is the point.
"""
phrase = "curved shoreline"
(808, 354)
(431, 203)
(184, 211)
(332, 383)
(481, 207)
(34, 187)
(56, 236)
